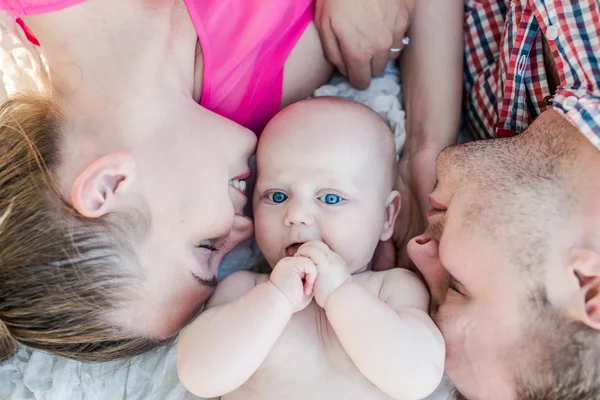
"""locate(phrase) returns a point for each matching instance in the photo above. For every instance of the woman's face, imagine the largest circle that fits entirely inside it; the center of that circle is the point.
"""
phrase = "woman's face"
(187, 178)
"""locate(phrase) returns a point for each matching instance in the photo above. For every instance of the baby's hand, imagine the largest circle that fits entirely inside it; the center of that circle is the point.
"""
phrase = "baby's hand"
(295, 278)
(332, 269)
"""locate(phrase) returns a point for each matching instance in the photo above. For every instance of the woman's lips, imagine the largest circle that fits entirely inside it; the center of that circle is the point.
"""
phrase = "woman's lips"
(244, 176)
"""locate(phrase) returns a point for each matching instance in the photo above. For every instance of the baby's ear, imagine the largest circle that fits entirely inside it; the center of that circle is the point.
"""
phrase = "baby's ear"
(96, 190)
(584, 268)
(392, 208)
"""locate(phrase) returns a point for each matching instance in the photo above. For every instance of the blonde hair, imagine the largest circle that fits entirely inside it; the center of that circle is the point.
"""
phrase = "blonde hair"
(61, 275)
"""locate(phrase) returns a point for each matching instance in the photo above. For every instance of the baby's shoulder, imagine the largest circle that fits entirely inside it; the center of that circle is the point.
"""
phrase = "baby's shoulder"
(234, 286)
(392, 277)
(396, 286)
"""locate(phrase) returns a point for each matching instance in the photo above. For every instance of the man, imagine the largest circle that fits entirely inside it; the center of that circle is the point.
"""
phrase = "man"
(512, 260)
(512, 251)
(360, 36)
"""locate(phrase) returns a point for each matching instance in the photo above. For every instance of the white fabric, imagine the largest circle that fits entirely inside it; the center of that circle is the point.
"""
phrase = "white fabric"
(37, 375)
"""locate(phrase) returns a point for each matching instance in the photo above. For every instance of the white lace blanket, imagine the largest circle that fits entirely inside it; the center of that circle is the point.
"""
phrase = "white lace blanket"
(37, 375)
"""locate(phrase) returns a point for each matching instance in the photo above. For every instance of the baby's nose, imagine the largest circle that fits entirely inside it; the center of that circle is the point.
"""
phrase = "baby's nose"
(298, 214)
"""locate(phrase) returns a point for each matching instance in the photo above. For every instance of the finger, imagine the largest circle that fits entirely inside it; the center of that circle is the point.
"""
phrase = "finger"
(309, 279)
(398, 44)
(381, 52)
(331, 46)
(300, 265)
(385, 256)
(318, 244)
(358, 63)
(316, 253)
(379, 62)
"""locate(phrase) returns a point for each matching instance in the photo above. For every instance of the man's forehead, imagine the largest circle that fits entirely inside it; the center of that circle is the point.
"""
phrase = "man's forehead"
(477, 154)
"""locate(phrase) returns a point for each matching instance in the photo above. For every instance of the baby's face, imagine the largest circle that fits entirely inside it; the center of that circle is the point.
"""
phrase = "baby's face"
(318, 179)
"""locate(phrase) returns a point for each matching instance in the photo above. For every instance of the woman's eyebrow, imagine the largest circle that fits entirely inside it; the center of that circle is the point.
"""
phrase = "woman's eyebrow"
(208, 283)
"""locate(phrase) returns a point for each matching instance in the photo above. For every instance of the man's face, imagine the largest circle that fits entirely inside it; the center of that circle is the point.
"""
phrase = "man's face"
(479, 294)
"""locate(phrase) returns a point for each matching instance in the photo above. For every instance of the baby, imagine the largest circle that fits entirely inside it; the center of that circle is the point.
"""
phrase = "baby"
(321, 325)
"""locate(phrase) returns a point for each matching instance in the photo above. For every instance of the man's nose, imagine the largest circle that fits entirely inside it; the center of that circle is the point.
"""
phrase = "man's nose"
(298, 213)
(424, 252)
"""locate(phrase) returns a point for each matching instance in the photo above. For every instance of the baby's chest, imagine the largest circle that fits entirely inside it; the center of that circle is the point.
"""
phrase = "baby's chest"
(308, 362)
(309, 345)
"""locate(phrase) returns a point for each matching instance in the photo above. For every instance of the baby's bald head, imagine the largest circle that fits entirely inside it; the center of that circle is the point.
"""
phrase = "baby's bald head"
(324, 126)
(326, 169)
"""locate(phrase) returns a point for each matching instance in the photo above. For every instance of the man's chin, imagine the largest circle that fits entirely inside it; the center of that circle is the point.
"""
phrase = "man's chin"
(460, 378)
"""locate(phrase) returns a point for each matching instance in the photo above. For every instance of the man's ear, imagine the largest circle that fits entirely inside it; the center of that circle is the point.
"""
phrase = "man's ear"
(95, 191)
(392, 208)
(584, 269)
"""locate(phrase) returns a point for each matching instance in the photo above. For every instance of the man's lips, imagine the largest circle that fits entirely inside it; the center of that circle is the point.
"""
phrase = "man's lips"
(437, 208)
(434, 211)
(436, 204)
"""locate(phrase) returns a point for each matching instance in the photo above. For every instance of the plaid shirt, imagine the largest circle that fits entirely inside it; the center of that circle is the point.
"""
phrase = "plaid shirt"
(506, 86)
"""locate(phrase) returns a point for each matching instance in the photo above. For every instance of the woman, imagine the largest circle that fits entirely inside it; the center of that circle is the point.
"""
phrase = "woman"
(119, 195)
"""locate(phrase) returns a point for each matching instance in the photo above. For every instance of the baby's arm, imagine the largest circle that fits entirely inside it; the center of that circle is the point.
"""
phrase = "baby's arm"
(391, 339)
(228, 342)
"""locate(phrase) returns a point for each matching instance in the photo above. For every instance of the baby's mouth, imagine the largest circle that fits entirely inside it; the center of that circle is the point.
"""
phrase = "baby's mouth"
(291, 250)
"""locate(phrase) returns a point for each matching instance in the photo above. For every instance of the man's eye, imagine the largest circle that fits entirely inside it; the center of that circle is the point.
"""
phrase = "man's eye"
(455, 286)
(277, 197)
(330, 198)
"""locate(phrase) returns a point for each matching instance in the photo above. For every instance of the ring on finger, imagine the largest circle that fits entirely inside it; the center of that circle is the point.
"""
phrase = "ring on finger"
(405, 42)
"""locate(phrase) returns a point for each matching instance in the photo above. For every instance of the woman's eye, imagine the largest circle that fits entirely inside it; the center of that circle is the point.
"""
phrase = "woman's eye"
(207, 246)
(277, 197)
(330, 198)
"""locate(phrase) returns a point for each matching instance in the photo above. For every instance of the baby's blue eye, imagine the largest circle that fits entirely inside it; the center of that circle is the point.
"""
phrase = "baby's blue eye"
(277, 197)
(330, 198)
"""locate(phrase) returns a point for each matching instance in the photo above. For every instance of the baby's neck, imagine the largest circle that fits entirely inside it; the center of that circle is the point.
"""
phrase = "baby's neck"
(362, 270)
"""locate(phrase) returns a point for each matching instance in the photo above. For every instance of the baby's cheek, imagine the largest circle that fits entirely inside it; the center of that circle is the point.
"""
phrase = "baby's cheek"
(261, 229)
(357, 253)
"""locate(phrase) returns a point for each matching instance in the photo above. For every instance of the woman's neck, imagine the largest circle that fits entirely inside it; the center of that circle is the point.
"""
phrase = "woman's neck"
(115, 67)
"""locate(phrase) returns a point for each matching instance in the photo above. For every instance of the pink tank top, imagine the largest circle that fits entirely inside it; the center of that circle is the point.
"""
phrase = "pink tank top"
(245, 44)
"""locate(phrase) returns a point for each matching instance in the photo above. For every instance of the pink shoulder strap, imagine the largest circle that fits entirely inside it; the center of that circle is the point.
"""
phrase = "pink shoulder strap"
(19, 8)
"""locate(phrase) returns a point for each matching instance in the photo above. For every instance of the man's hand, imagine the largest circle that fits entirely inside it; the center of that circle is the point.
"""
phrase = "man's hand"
(295, 278)
(357, 35)
(331, 269)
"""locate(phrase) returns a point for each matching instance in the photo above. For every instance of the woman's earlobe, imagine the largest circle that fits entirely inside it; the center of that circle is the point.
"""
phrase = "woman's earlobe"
(96, 190)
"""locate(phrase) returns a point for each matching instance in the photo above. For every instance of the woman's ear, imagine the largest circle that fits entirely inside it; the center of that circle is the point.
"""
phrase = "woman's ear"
(585, 302)
(392, 208)
(97, 189)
